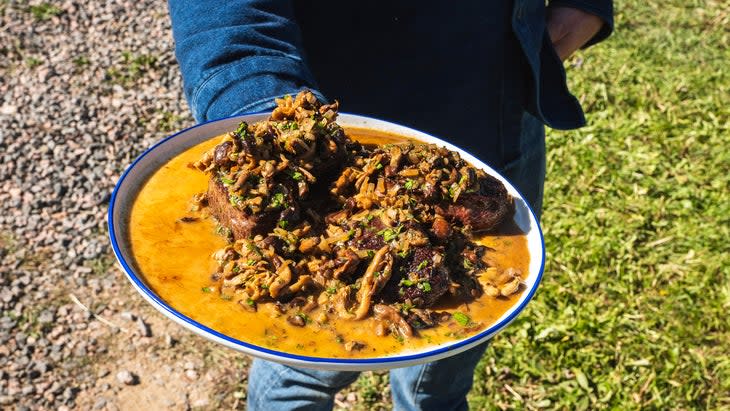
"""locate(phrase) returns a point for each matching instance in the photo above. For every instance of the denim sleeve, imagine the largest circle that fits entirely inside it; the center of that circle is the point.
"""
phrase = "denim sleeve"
(236, 56)
(600, 8)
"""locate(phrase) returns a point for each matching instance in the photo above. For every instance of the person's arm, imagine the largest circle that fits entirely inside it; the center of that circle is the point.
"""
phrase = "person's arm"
(236, 56)
(573, 24)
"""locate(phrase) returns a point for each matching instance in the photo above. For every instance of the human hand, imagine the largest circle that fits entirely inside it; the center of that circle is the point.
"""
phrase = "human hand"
(570, 29)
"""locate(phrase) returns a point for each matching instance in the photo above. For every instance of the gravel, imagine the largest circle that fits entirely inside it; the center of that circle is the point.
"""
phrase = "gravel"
(85, 87)
(127, 378)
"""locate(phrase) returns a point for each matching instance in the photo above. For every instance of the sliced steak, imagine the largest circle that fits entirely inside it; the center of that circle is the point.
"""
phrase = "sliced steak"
(483, 211)
(422, 278)
(241, 224)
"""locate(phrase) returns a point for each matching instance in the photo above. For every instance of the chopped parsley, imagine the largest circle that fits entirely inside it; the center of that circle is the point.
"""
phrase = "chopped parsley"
(283, 224)
(288, 125)
(221, 230)
(425, 286)
(250, 262)
(304, 317)
(452, 190)
(226, 181)
(297, 176)
(406, 282)
(254, 248)
(251, 302)
(242, 129)
(423, 265)
(378, 166)
(235, 199)
(405, 308)
(390, 234)
(403, 254)
(331, 290)
(277, 200)
(461, 318)
(206, 289)
(410, 184)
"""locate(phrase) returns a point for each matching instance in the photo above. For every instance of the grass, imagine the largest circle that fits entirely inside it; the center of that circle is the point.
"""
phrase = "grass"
(632, 311)
(33, 62)
(45, 11)
(100, 266)
(131, 68)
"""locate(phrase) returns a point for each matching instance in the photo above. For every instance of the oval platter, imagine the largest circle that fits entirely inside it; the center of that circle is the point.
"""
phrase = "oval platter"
(135, 176)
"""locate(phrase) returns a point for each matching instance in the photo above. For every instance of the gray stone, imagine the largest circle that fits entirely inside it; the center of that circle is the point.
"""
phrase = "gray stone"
(144, 328)
(100, 403)
(46, 317)
(127, 378)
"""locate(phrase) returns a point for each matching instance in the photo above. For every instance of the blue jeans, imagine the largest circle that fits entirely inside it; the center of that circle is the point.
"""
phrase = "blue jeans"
(441, 385)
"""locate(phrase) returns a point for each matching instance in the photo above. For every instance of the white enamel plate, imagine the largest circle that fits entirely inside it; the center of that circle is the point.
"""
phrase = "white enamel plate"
(134, 178)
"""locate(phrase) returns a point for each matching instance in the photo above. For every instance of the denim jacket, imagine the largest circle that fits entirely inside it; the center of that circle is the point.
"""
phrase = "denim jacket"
(237, 55)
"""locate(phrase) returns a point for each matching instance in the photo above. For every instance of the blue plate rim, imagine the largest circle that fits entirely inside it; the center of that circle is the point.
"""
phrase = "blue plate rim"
(139, 283)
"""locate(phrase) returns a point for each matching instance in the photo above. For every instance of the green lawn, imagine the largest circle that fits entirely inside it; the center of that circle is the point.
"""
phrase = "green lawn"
(631, 313)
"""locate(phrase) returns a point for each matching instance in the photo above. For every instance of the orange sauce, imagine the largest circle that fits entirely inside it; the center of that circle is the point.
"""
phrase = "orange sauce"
(174, 259)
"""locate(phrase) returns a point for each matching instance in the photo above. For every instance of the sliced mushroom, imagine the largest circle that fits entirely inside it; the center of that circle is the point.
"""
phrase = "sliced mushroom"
(394, 319)
(375, 277)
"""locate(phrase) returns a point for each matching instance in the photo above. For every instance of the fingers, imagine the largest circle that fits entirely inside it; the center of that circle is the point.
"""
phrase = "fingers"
(568, 45)
(570, 29)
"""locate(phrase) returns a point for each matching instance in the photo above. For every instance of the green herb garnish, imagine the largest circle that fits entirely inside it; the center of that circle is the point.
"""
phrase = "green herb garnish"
(390, 234)
(297, 176)
(235, 199)
(242, 129)
(277, 200)
(254, 248)
(206, 289)
(461, 318)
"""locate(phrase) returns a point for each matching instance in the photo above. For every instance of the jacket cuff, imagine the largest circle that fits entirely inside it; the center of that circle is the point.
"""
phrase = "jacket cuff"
(249, 86)
(602, 9)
